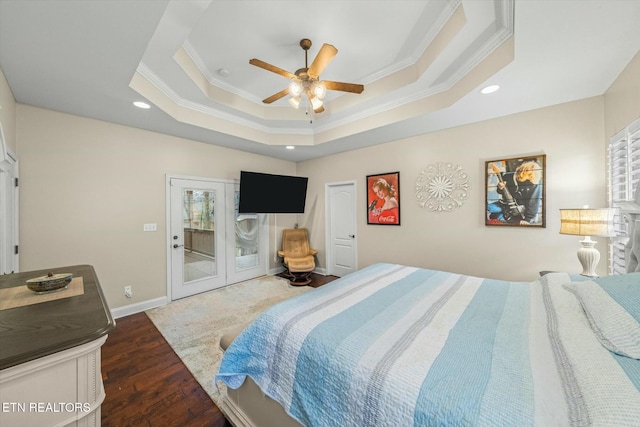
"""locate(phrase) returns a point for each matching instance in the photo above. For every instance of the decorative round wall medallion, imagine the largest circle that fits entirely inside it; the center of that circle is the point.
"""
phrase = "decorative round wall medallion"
(442, 187)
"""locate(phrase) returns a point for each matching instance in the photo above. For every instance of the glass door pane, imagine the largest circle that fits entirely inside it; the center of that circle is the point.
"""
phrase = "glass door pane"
(199, 234)
(247, 233)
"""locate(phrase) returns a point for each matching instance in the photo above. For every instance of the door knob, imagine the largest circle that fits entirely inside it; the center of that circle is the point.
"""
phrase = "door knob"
(176, 246)
(353, 236)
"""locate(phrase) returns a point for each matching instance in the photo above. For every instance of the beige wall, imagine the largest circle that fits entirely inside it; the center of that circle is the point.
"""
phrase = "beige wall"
(622, 99)
(7, 113)
(87, 187)
(571, 135)
(574, 137)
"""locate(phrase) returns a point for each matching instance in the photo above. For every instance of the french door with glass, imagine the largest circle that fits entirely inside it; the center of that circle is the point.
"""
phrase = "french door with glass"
(210, 244)
(247, 240)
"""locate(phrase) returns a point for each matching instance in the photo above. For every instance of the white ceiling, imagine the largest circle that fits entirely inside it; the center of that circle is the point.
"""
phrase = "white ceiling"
(422, 63)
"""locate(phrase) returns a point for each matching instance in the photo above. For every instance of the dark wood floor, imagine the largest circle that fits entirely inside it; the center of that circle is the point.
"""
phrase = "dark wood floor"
(146, 383)
(317, 280)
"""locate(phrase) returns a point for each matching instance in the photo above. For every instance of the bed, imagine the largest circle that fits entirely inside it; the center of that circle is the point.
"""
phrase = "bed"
(393, 345)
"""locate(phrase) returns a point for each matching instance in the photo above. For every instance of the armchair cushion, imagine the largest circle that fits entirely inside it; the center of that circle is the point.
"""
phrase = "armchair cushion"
(302, 264)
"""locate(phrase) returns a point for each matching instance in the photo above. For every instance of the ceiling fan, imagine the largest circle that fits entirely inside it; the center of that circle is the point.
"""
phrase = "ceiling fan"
(307, 80)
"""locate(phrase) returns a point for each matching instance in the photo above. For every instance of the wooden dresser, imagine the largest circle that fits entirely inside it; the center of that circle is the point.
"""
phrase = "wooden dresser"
(50, 353)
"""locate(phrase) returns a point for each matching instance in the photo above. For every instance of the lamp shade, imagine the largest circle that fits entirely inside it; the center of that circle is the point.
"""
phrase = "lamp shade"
(587, 222)
(319, 90)
(315, 103)
(295, 87)
(295, 101)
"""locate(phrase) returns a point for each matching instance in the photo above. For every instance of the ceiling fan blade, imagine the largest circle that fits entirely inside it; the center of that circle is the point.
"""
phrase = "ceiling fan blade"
(272, 68)
(276, 96)
(322, 59)
(344, 87)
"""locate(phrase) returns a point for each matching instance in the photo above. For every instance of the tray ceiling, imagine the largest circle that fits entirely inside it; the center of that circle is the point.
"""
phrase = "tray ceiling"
(422, 64)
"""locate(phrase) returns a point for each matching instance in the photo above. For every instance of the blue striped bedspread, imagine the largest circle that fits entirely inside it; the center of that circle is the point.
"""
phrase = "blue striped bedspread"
(392, 345)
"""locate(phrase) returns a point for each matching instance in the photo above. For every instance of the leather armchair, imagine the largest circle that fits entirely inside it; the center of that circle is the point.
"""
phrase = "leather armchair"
(298, 256)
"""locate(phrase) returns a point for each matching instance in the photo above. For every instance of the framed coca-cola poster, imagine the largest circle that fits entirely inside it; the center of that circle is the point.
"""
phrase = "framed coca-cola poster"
(383, 199)
(515, 192)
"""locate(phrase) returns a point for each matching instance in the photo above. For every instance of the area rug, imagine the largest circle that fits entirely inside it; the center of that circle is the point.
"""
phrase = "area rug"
(194, 325)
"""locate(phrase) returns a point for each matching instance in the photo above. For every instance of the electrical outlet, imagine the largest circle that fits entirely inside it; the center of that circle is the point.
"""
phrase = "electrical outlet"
(127, 292)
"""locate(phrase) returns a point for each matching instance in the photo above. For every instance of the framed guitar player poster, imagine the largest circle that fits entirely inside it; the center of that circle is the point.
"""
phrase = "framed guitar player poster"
(515, 192)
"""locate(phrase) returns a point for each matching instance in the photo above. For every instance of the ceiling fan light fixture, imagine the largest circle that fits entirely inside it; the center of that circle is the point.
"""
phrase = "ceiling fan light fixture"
(295, 87)
(315, 103)
(319, 90)
(306, 80)
(295, 101)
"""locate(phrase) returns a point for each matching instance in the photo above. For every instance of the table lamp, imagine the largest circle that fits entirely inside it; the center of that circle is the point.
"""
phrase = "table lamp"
(587, 223)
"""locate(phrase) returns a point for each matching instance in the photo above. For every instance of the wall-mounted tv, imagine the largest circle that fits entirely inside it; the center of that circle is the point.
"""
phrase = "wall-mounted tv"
(267, 193)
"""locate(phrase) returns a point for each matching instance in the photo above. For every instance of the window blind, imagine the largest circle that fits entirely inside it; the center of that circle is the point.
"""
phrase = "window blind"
(624, 176)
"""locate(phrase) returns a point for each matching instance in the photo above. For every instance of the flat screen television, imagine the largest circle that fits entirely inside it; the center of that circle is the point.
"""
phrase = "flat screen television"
(267, 193)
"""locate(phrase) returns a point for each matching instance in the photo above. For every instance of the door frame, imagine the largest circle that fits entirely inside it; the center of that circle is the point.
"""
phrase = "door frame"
(327, 223)
(9, 230)
(168, 240)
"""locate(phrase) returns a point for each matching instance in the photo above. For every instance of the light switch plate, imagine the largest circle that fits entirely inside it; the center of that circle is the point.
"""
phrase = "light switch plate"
(150, 227)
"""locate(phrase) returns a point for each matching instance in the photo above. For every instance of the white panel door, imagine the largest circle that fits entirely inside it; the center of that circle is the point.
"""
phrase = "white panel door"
(341, 218)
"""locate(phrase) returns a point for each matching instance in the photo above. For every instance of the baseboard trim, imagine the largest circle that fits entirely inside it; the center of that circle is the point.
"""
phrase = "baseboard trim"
(138, 307)
(274, 271)
(130, 309)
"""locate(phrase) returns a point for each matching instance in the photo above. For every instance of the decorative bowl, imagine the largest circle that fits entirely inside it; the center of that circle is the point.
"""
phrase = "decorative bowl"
(50, 282)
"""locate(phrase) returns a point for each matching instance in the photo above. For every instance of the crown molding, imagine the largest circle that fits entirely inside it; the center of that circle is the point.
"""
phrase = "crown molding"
(214, 81)
(146, 73)
(336, 119)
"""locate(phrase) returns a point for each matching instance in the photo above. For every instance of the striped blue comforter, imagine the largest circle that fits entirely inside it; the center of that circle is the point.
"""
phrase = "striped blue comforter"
(392, 345)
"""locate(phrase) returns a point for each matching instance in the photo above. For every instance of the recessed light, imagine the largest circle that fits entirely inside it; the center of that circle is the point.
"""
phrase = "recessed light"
(489, 89)
(290, 147)
(141, 104)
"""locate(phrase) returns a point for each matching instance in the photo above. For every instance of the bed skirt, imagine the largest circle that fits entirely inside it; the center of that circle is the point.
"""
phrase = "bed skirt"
(248, 406)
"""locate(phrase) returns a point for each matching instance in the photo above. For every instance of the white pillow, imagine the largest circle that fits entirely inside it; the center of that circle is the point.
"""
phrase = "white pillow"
(616, 328)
